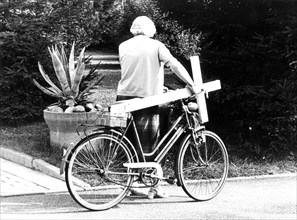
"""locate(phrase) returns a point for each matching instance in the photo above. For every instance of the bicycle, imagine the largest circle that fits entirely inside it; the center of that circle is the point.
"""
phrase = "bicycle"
(102, 167)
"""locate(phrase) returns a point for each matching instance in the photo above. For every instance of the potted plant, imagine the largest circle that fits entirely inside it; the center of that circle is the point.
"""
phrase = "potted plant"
(74, 105)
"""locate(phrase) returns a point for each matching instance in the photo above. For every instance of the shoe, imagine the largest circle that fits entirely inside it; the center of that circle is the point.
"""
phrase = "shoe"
(157, 192)
(137, 192)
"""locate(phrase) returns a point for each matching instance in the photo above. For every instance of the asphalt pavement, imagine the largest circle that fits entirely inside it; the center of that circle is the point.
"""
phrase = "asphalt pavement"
(22, 174)
(258, 197)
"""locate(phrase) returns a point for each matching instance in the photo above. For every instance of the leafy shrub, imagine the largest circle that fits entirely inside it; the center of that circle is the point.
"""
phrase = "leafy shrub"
(258, 99)
(27, 30)
(20, 50)
(273, 121)
(109, 29)
(251, 47)
(72, 21)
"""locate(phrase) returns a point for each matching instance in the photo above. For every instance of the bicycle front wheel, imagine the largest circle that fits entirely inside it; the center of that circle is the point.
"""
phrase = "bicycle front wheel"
(95, 175)
(202, 165)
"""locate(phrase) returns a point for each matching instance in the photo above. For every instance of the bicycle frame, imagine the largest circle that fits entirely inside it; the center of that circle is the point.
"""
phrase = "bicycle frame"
(176, 130)
(172, 135)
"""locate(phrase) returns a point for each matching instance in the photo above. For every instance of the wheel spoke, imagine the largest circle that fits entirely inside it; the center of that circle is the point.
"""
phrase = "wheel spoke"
(95, 175)
(203, 169)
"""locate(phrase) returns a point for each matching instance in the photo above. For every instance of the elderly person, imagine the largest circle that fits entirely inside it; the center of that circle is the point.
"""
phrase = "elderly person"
(142, 60)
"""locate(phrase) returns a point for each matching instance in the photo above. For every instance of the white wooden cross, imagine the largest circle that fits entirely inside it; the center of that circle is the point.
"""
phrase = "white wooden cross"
(123, 107)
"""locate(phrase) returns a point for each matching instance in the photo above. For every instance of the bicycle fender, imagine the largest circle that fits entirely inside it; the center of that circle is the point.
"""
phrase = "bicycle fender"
(65, 155)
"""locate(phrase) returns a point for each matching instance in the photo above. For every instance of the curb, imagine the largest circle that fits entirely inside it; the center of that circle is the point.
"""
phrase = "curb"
(50, 170)
(31, 162)
(261, 177)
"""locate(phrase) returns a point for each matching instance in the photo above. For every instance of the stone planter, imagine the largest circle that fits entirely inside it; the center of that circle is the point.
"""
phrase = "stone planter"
(63, 127)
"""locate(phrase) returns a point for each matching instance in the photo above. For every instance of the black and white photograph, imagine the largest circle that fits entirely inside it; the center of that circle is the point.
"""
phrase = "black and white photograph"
(148, 109)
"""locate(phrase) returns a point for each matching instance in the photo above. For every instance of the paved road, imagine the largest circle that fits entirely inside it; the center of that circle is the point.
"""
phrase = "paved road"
(264, 198)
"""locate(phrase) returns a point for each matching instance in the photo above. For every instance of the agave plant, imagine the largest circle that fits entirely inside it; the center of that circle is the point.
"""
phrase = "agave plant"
(70, 73)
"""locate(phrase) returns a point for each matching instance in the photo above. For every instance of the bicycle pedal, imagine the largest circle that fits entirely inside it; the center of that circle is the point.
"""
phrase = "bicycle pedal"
(171, 180)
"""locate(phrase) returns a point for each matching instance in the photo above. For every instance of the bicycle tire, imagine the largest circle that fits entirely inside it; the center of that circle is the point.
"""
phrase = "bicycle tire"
(202, 178)
(93, 168)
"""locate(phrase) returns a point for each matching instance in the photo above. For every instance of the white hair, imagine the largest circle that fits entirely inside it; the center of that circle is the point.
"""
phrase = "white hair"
(143, 25)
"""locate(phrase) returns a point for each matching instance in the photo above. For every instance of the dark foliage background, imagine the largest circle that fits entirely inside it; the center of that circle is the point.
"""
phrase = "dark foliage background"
(250, 45)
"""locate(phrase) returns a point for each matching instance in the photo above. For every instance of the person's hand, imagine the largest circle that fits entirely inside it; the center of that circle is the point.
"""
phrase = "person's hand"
(165, 89)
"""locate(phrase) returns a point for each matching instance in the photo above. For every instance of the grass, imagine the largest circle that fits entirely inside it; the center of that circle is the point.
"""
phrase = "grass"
(33, 139)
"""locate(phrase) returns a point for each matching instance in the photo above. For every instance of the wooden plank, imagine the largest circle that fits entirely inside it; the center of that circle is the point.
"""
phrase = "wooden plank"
(196, 70)
(131, 105)
(198, 81)
(203, 114)
(211, 86)
(123, 107)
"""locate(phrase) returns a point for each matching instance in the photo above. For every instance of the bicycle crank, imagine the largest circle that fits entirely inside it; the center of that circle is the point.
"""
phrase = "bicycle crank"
(142, 165)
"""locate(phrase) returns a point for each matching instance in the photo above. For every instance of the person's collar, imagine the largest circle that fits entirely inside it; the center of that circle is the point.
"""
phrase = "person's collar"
(140, 35)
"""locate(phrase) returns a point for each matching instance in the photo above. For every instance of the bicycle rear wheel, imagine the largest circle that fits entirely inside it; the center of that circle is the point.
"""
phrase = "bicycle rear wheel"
(95, 175)
(202, 165)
